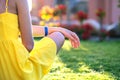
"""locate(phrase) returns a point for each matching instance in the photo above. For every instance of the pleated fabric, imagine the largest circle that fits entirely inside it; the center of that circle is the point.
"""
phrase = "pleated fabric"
(16, 63)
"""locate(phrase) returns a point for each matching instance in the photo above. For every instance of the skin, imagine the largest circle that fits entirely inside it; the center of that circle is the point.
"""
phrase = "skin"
(20, 8)
(39, 31)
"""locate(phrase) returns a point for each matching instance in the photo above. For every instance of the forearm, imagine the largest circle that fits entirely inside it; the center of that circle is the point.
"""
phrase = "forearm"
(74, 39)
(38, 31)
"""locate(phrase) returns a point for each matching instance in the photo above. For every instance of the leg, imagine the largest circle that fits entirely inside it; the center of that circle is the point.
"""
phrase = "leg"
(58, 38)
(44, 52)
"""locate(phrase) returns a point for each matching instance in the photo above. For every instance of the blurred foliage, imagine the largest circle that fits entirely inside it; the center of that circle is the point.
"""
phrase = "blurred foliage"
(46, 13)
(59, 10)
(100, 13)
(81, 16)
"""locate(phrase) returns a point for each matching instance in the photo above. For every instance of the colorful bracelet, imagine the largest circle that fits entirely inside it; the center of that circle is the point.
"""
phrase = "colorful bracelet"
(46, 31)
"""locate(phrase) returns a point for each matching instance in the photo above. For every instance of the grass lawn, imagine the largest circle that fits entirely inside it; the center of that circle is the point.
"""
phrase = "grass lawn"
(92, 61)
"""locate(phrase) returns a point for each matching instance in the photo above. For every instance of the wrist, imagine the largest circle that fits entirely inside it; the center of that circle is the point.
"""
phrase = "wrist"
(55, 29)
(45, 31)
(60, 30)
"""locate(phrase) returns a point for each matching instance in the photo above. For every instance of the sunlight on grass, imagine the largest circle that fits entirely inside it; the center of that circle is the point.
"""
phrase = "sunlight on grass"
(84, 67)
(77, 76)
(91, 61)
(83, 48)
(59, 71)
(67, 45)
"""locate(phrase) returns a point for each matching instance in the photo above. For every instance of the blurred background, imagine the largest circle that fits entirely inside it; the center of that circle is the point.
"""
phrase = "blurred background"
(86, 17)
(97, 23)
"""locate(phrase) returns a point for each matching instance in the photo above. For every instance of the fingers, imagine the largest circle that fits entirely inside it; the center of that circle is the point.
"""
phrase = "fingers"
(75, 40)
(71, 36)
(74, 45)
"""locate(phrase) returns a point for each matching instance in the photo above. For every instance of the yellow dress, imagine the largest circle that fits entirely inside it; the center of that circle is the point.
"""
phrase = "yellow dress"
(16, 63)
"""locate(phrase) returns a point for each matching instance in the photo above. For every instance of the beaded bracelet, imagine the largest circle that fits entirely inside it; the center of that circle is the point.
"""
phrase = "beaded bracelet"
(46, 30)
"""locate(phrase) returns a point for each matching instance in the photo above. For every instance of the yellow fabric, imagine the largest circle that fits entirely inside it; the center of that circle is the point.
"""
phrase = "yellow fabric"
(16, 63)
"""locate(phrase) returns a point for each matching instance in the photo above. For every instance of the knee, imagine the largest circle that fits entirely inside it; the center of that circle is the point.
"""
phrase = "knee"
(57, 36)
(58, 39)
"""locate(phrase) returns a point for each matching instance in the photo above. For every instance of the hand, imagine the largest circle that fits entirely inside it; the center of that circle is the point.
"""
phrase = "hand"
(72, 36)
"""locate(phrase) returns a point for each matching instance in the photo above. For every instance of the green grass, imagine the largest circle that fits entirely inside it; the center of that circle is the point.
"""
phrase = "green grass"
(92, 61)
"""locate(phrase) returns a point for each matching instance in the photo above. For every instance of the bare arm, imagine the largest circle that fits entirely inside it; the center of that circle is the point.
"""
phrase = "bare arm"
(39, 31)
(25, 24)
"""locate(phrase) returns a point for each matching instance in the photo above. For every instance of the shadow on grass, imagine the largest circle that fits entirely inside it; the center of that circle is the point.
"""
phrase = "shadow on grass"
(103, 57)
